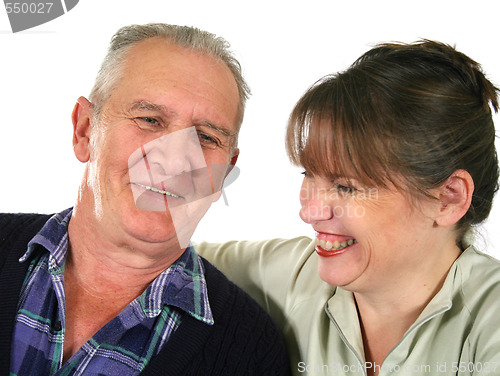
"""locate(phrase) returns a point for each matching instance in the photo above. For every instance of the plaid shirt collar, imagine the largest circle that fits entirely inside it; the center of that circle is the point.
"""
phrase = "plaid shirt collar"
(182, 285)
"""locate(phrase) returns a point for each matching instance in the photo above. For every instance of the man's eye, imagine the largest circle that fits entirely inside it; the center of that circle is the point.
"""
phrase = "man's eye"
(150, 120)
(206, 139)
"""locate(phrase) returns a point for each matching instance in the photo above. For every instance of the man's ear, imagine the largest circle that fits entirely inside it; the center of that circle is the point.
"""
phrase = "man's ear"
(232, 162)
(455, 197)
(217, 192)
(81, 118)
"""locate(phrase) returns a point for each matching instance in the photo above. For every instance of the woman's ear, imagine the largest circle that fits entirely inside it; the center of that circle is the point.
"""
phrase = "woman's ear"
(455, 197)
(82, 113)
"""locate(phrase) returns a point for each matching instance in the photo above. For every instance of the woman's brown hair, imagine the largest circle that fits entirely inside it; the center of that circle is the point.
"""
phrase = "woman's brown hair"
(419, 111)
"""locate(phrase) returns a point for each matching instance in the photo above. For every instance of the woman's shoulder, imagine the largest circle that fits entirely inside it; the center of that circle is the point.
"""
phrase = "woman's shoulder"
(479, 267)
(479, 282)
(479, 291)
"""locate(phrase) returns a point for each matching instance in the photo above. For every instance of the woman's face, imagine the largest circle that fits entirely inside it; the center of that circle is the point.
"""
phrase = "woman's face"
(367, 237)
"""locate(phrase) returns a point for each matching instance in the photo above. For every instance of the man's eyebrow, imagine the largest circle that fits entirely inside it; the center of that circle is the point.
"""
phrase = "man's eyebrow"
(218, 128)
(146, 105)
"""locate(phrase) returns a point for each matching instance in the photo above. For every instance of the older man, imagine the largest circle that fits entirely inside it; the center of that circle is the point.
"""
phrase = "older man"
(112, 287)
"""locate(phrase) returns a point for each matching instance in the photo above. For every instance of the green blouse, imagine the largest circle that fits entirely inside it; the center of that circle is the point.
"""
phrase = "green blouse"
(458, 333)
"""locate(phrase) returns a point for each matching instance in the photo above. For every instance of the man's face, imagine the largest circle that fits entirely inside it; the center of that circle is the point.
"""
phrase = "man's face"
(171, 118)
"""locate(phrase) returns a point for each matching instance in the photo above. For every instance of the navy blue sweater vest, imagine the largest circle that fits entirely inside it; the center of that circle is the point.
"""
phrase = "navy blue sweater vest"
(243, 340)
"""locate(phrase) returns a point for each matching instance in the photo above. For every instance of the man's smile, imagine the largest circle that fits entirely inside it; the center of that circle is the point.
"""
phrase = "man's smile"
(157, 190)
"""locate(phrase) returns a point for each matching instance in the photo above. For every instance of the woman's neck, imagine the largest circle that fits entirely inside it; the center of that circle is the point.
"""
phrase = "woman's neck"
(387, 312)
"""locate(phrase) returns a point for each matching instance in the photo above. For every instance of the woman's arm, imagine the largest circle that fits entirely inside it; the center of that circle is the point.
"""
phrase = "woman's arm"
(267, 270)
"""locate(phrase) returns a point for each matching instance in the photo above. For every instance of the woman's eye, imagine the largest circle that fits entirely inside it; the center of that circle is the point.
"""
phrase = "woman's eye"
(345, 189)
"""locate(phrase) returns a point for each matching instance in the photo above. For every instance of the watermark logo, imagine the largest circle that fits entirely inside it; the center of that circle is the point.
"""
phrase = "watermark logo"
(26, 14)
(332, 202)
(405, 369)
(171, 174)
(309, 192)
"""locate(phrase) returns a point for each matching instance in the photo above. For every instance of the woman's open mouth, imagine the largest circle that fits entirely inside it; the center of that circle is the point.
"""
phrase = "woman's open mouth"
(326, 246)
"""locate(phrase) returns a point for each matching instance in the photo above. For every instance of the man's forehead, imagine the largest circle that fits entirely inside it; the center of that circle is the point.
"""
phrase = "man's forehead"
(157, 75)
(155, 44)
(164, 51)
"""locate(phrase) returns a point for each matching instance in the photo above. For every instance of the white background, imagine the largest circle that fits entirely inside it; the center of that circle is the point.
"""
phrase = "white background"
(284, 46)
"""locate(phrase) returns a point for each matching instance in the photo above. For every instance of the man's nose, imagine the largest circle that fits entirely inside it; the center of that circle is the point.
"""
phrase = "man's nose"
(176, 153)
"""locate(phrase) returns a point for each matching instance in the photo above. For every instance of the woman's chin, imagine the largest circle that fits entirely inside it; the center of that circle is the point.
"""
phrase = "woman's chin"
(338, 272)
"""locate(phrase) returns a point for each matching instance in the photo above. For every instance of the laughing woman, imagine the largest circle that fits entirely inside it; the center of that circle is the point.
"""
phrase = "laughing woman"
(400, 164)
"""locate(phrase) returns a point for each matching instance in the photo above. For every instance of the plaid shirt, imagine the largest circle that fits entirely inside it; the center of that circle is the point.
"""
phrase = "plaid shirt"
(125, 345)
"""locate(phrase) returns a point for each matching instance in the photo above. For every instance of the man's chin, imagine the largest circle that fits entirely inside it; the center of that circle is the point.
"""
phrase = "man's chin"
(150, 226)
(173, 225)
(152, 202)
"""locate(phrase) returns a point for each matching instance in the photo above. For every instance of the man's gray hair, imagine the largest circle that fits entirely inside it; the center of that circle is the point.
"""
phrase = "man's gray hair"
(184, 36)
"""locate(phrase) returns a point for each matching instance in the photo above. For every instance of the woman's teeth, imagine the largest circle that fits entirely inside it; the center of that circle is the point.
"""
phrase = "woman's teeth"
(334, 246)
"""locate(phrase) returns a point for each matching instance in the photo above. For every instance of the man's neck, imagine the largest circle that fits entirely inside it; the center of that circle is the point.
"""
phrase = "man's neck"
(103, 266)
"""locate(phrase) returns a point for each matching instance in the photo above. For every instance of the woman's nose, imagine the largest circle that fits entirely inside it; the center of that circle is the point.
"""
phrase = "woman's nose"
(314, 204)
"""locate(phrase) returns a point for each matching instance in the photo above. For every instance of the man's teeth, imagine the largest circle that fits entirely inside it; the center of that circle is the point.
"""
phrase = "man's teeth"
(334, 246)
(156, 190)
